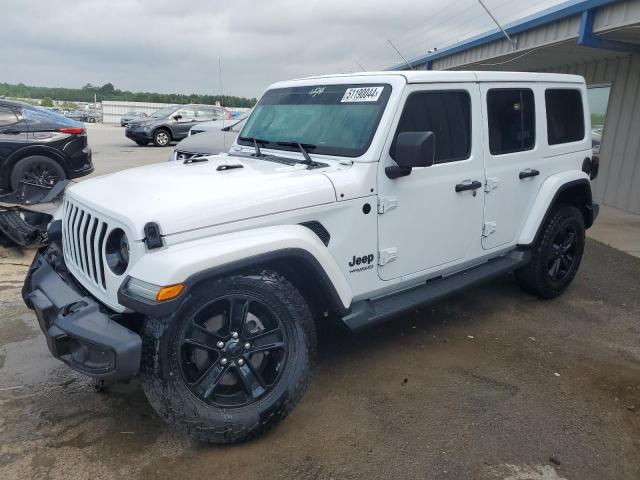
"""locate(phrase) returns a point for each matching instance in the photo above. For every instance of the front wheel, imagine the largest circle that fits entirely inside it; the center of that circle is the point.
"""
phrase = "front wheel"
(161, 138)
(556, 255)
(234, 361)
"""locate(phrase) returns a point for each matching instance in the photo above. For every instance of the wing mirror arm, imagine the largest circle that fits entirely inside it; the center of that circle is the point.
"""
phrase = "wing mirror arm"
(413, 149)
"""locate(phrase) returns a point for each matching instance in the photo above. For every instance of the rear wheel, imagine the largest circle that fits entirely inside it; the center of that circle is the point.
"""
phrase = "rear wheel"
(161, 138)
(557, 254)
(234, 362)
(35, 174)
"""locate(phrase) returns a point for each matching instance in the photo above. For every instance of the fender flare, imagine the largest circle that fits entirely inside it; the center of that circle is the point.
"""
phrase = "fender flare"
(200, 260)
(548, 194)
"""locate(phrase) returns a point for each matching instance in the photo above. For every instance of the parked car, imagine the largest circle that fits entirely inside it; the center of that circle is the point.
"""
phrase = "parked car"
(129, 117)
(38, 148)
(353, 198)
(217, 138)
(170, 123)
(216, 125)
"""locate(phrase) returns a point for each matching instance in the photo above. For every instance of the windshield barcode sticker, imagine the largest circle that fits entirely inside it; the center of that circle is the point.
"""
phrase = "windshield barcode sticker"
(362, 94)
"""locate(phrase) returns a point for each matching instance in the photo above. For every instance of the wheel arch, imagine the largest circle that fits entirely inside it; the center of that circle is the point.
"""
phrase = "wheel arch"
(568, 188)
(30, 151)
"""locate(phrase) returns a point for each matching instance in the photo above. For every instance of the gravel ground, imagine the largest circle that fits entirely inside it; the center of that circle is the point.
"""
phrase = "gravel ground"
(490, 384)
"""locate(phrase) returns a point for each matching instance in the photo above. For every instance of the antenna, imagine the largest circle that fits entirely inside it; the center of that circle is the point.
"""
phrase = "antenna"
(220, 77)
(360, 65)
(511, 41)
(401, 56)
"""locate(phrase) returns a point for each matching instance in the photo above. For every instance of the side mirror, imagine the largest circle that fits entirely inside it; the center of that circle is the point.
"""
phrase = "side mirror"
(177, 117)
(413, 149)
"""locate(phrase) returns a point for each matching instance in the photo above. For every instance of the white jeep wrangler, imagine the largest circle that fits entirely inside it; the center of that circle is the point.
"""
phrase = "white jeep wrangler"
(350, 197)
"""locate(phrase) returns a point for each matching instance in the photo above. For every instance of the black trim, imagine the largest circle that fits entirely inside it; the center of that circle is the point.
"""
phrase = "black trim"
(170, 307)
(367, 313)
(79, 331)
(152, 238)
(321, 232)
(588, 207)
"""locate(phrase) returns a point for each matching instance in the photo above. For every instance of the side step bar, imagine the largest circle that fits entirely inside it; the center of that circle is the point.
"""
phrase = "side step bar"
(367, 313)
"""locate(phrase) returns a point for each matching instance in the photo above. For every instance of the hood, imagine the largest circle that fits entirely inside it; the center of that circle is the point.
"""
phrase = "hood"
(210, 142)
(181, 197)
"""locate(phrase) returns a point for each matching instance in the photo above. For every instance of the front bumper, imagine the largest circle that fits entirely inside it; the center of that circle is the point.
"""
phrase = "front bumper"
(79, 331)
(138, 135)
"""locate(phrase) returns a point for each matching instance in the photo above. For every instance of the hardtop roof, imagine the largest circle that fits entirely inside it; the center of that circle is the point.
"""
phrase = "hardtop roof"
(449, 76)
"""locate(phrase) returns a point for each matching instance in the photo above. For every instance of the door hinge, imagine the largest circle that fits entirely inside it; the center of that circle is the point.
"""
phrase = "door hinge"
(387, 255)
(491, 183)
(488, 228)
(386, 203)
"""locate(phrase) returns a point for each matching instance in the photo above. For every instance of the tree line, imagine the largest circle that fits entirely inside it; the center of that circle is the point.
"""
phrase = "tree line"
(109, 92)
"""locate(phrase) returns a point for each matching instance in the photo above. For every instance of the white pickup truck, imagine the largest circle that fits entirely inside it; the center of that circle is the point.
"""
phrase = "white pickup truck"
(349, 198)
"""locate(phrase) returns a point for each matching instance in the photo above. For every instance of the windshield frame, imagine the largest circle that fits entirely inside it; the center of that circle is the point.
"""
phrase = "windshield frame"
(317, 149)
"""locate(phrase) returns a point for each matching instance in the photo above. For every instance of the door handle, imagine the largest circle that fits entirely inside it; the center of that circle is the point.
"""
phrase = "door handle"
(529, 172)
(468, 185)
(10, 131)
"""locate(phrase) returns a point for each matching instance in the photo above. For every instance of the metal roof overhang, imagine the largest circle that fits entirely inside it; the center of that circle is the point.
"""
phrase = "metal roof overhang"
(584, 46)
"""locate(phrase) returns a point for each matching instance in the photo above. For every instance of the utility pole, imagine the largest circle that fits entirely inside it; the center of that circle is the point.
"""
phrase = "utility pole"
(401, 56)
(504, 32)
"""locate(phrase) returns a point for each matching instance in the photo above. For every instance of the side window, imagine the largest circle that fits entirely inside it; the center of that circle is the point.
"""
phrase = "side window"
(188, 113)
(7, 117)
(512, 120)
(205, 113)
(565, 116)
(445, 113)
(220, 113)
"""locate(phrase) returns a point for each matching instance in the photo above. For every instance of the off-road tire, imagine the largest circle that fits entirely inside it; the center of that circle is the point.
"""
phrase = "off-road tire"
(165, 385)
(158, 139)
(535, 277)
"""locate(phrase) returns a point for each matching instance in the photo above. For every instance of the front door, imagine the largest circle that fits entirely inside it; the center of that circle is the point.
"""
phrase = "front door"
(512, 166)
(185, 122)
(432, 218)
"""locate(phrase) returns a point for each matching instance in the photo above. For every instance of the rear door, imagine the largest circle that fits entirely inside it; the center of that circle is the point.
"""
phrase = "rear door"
(13, 131)
(512, 158)
(432, 218)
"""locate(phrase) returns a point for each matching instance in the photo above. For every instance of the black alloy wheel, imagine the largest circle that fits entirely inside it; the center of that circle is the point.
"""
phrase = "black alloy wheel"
(41, 174)
(234, 360)
(34, 176)
(233, 351)
(563, 253)
(556, 255)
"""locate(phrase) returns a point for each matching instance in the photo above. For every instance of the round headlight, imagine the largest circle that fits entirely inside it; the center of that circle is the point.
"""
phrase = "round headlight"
(117, 251)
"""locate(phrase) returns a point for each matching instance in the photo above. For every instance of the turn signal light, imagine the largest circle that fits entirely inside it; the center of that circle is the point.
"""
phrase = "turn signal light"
(170, 292)
(72, 130)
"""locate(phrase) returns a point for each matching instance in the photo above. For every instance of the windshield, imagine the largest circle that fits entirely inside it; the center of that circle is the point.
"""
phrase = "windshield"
(328, 119)
(164, 112)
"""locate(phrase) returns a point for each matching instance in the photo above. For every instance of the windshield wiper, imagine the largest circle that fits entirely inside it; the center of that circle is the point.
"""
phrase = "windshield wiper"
(303, 147)
(255, 142)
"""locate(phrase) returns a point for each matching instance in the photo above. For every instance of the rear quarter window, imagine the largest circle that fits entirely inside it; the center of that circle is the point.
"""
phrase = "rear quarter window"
(565, 116)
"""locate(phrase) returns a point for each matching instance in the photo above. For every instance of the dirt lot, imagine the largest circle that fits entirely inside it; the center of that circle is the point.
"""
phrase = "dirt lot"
(491, 384)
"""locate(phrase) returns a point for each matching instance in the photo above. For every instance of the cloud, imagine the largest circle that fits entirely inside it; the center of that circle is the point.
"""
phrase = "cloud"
(168, 46)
